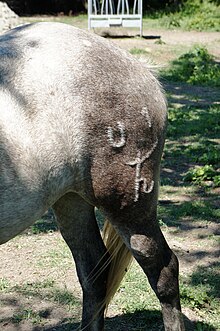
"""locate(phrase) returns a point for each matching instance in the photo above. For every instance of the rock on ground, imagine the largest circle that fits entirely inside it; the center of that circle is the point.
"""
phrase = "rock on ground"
(8, 19)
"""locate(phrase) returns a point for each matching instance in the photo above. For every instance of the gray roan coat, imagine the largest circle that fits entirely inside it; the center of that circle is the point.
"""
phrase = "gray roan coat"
(82, 125)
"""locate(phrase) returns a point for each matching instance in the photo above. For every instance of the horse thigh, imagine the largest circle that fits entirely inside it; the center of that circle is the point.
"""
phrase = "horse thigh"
(79, 228)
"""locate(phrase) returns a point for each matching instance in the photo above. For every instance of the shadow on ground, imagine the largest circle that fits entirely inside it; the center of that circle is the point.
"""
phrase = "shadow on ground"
(208, 275)
(193, 130)
(142, 320)
(117, 34)
(190, 95)
(137, 321)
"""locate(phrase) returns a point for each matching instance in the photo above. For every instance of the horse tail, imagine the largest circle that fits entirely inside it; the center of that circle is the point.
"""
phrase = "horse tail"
(120, 260)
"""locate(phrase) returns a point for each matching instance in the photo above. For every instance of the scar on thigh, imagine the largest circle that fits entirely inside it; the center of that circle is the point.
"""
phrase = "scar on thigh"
(145, 113)
(120, 140)
(140, 182)
(117, 139)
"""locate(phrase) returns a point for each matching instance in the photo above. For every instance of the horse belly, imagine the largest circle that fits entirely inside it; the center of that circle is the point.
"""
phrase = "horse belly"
(17, 213)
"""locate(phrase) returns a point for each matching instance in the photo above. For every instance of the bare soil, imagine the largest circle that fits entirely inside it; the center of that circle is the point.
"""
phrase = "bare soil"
(165, 45)
(21, 258)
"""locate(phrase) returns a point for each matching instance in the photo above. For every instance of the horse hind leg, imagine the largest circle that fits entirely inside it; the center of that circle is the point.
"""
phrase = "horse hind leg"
(147, 244)
(79, 229)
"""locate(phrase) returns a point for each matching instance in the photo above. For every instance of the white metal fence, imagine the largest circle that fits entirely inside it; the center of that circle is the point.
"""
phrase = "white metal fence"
(107, 13)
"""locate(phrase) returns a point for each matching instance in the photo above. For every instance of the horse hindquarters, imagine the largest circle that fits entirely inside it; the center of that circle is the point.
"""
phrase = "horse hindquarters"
(79, 228)
(126, 192)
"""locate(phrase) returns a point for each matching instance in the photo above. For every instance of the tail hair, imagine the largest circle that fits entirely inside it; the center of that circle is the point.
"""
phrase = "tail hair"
(120, 260)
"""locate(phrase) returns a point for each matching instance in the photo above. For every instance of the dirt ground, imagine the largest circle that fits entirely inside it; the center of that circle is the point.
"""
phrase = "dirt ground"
(164, 45)
(20, 258)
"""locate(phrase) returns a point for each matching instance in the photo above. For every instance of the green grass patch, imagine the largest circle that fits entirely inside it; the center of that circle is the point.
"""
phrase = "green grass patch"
(49, 291)
(209, 278)
(80, 21)
(133, 292)
(36, 292)
(199, 15)
(54, 257)
(195, 297)
(43, 226)
(193, 138)
(196, 67)
(46, 224)
(200, 292)
(138, 51)
(27, 314)
(197, 210)
(202, 175)
(199, 122)
(137, 301)
(204, 151)
(4, 285)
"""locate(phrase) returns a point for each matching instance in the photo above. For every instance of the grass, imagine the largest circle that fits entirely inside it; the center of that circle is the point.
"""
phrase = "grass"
(27, 314)
(193, 143)
(196, 67)
(197, 292)
(135, 300)
(190, 15)
(138, 51)
(195, 123)
(133, 293)
(197, 210)
(80, 21)
(44, 291)
(205, 175)
(47, 290)
(4, 284)
(55, 257)
(200, 292)
(193, 139)
(188, 203)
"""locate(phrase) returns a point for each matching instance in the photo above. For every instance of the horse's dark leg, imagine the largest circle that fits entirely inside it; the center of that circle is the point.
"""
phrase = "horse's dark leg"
(149, 247)
(79, 229)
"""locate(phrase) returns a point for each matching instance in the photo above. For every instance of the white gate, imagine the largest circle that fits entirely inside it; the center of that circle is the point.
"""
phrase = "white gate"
(107, 13)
